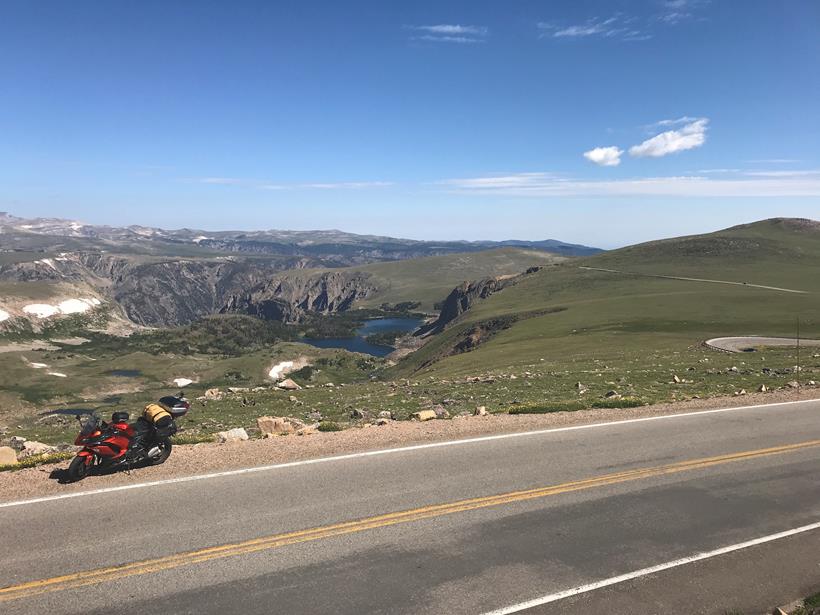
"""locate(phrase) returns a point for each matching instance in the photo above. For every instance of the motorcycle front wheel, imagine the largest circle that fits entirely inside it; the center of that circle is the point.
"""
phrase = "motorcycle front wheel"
(78, 469)
(164, 446)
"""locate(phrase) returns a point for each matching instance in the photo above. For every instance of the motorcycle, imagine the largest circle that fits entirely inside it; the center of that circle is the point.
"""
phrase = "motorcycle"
(109, 446)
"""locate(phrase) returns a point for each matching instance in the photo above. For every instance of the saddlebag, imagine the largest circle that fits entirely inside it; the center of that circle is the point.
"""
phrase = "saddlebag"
(161, 419)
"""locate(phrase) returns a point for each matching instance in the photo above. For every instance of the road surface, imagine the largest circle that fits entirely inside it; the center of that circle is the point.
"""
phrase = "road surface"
(609, 519)
(741, 344)
(677, 277)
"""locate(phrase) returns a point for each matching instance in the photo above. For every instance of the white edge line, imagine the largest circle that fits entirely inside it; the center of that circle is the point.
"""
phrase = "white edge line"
(529, 604)
(388, 451)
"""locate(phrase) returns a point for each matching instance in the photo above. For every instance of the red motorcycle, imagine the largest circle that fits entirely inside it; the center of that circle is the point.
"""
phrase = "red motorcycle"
(108, 446)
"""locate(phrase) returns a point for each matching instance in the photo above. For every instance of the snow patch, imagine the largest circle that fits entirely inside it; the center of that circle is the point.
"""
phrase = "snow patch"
(49, 262)
(38, 365)
(4, 315)
(285, 367)
(278, 370)
(199, 238)
(182, 382)
(69, 306)
(58, 374)
(41, 310)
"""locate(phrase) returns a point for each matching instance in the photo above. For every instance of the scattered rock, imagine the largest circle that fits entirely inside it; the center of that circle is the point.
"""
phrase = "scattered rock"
(676, 379)
(481, 411)
(8, 456)
(238, 389)
(762, 388)
(293, 398)
(32, 448)
(441, 412)
(213, 394)
(732, 369)
(315, 416)
(360, 415)
(424, 415)
(382, 421)
(386, 414)
(288, 385)
(793, 384)
(580, 388)
(612, 395)
(236, 434)
(811, 383)
(17, 442)
(329, 385)
(740, 392)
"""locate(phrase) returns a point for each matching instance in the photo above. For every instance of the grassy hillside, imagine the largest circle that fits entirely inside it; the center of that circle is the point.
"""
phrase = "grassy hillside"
(621, 317)
(429, 280)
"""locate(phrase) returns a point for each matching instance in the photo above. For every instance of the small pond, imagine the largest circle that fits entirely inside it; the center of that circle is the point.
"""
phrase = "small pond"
(370, 327)
(125, 373)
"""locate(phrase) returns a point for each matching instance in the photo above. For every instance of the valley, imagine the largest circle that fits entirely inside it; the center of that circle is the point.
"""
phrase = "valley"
(512, 330)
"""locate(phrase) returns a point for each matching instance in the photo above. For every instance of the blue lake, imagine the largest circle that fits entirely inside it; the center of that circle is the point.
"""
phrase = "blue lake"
(370, 327)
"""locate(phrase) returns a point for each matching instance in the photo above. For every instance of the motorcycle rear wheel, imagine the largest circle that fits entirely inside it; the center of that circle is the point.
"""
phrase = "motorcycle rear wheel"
(164, 445)
(78, 469)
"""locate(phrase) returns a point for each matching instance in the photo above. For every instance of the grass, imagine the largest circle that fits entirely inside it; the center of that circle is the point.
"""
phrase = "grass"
(329, 426)
(36, 460)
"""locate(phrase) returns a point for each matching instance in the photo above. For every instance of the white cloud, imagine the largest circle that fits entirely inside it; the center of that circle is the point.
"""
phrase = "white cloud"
(447, 39)
(617, 26)
(690, 136)
(453, 29)
(605, 156)
(326, 186)
(548, 185)
(450, 33)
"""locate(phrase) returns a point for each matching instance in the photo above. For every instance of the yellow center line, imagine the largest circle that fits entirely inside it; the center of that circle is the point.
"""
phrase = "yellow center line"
(100, 575)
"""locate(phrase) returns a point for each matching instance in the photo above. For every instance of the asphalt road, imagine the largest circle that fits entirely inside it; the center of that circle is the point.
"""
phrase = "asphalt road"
(468, 528)
(741, 344)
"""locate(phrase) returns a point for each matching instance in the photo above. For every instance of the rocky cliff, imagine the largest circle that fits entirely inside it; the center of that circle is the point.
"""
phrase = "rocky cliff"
(175, 292)
(465, 295)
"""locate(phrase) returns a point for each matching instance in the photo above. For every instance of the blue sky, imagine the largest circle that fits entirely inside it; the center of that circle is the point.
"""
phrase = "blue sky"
(603, 123)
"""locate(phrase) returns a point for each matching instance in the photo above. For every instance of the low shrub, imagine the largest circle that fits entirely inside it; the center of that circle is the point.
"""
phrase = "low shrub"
(546, 408)
(329, 426)
(624, 402)
(36, 460)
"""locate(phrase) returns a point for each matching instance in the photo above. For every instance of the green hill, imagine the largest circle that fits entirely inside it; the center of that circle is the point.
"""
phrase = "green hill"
(429, 280)
(569, 314)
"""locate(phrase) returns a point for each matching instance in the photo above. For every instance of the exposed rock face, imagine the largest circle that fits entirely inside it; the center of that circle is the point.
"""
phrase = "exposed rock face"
(180, 291)
(286, 297)
(465, 295)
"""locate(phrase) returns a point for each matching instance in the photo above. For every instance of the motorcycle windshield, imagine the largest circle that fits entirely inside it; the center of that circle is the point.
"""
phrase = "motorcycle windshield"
(90, 424)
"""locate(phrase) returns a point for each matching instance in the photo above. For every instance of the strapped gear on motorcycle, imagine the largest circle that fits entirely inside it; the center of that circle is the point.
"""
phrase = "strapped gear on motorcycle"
(120, 417)
(161, 419)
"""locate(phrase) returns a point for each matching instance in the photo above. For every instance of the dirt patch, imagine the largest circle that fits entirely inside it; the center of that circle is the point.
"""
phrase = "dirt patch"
(202, 458)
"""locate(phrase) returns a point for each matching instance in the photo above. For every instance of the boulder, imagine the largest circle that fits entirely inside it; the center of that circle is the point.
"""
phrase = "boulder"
(811, 383)
(288, 385)
(32, 448)
(236, 434)
(740, 392)
(793, 384)
(424, 415)
(213, 394)
(359, 414)
(273, 425)
(386, 414)
(481, 411)
(441, 412)
(762, 388)
(8, 456)
(17, 442)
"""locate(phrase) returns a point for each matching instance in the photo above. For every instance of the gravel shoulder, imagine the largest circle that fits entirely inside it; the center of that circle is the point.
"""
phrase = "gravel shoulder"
(195, 459)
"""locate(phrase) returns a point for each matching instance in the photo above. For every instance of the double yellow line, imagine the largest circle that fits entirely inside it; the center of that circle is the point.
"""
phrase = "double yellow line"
(100, 575)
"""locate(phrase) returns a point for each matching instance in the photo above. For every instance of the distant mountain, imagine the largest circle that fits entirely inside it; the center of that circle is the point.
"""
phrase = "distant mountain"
(337, 248)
